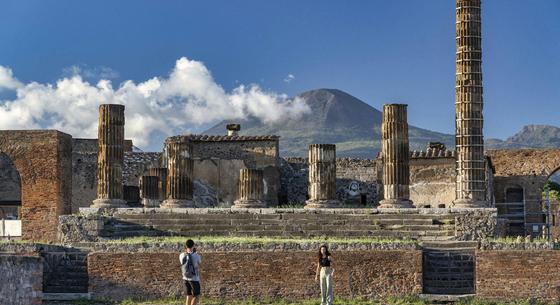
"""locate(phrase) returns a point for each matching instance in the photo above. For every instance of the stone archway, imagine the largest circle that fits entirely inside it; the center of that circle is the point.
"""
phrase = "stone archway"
(43, 159)
(10, 189)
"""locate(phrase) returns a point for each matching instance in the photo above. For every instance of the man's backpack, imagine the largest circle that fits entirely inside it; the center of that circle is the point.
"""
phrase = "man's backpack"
(187, 267)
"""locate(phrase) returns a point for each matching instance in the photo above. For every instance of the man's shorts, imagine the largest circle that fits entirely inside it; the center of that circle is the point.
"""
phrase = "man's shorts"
(193, 287)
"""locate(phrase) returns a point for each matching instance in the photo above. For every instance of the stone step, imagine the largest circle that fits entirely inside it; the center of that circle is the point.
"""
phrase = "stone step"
(450, 245)
(308, 233)
(65, 289)
(286, 216)
(65, 296)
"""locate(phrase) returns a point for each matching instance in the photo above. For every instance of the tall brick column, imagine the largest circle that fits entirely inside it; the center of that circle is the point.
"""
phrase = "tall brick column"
(322, 177)
(469, 141)
(149, 191)
(179, 173)
(110, 157)
(251, 189)
(395, 155)
(161, 173)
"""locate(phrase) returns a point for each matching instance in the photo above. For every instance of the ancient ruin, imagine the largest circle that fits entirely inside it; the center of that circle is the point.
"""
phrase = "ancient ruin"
(250, 189)
(395, 156)
(469, 142)
(149, 191)
(110, 157)
(161, 173)
(179, 173)
(238, 186)
(322, 176)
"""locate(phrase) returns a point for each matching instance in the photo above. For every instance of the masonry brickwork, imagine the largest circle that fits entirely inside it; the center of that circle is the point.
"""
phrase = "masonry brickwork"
(256, 274)
(43, 160)
(22, 280)
(518, 274)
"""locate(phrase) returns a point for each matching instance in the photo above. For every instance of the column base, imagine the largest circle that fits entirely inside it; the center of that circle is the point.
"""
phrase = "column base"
(322, 204)
(395, 204)
(177, 203)
(469, 204)
(105, 203)
(150, 203)
(249, 204)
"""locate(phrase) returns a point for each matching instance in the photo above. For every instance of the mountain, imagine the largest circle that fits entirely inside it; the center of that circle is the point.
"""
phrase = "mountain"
(530, 136)
(335, 117)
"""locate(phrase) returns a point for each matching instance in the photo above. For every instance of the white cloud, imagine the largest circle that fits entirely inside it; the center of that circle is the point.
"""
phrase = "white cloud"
(289, 78)
(187, 98)
(87, 72)
(7, 80)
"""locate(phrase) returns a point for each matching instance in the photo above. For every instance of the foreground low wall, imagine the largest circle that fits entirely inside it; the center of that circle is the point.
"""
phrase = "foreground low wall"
(255, 274)
(518, 274)
(21, 280)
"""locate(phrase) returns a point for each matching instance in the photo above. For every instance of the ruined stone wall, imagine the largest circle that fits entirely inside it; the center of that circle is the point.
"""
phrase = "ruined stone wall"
(84, 169)
(22, 280)
(354, 178)
(43, 160)
(518, 274)
(255, 153)
(432, 181)
(256, 274)
(527, 169)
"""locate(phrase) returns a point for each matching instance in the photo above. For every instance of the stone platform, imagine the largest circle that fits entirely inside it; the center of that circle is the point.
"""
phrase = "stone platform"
(418, 224)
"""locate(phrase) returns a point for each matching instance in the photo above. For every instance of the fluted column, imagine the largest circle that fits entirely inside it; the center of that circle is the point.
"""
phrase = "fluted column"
(395, 156)
(110, 157)
(149, 191)
(469, 141)
(161, 173)
(179, 173)
(251, 189)
(322, 176)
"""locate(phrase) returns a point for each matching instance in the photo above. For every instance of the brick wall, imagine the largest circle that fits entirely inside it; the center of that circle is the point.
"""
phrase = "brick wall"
(22, 280)
(518, 274)
(256, 274)
(43, 160)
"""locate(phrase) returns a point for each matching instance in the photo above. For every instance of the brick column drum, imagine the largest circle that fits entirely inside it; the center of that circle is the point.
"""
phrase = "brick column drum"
(251, 189)
(149, 191)
(471, 179)
(161, 173)
(179, 173)
(110, 157)
(322, 177)
(395, 156)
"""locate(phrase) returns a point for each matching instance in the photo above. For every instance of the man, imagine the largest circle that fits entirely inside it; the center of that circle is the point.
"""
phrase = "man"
(190, 266)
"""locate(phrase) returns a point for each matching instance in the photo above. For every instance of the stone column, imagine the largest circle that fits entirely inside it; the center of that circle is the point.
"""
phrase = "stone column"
(161, 173)
(469, 142)
(322, 177)
(149, 191)
(110, 157)
(395, 156)
(179, 173)
(251, 189)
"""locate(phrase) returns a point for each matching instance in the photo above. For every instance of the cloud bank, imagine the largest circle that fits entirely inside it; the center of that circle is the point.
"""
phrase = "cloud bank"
(185, 99)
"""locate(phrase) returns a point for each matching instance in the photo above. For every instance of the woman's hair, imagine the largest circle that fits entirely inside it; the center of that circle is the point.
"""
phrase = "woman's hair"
(319, 255)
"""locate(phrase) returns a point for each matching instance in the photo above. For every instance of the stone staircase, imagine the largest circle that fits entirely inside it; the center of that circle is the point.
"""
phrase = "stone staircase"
(448, 269)
(65, 272)
(410, 226)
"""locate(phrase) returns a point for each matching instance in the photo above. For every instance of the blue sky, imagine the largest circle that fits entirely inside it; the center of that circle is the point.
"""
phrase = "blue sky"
(378, 51)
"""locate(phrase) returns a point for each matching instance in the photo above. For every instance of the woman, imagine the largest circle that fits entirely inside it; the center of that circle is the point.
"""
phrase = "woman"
(325, 271)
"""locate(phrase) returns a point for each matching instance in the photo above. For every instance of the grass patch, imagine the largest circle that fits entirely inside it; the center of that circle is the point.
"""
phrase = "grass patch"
(515, 240)
(254, 240)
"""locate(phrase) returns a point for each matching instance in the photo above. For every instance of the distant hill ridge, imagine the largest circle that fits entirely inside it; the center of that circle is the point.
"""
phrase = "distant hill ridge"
(355, 127)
